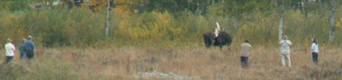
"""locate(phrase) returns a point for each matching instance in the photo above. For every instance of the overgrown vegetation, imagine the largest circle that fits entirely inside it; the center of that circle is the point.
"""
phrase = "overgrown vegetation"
(131, 63)
(81, 27)
(71, 43)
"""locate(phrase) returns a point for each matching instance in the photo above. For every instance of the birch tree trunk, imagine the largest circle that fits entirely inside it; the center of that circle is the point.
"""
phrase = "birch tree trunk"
(236, 24)
(107, 27)
(332, 21)
(281, 26)
(281, 22)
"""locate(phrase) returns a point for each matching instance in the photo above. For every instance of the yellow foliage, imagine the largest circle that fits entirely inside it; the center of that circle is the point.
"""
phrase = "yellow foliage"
(82, 27)
(155, 30)
(5, 4)
(338, 23)
(101, 5)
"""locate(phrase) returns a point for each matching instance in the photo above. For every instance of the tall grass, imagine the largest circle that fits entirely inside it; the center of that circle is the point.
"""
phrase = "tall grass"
(122, 63)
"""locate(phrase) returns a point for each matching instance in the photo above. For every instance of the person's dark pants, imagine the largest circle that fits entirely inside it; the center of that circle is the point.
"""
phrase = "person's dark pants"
(23, 56)
(244, 62)
(29, 54)
(9, 59)
(315, 57)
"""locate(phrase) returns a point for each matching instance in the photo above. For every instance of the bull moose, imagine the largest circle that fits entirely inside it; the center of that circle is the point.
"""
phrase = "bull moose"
(223, 38)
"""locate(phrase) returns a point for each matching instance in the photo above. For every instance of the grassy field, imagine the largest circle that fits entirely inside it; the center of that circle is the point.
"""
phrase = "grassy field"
(152, 63)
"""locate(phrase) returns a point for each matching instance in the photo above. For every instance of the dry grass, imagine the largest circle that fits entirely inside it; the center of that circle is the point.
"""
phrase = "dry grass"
(214, 64)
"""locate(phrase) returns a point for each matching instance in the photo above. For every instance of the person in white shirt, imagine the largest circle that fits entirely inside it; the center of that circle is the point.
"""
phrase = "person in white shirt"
(314, 50)
(10, 48)
(285, 50)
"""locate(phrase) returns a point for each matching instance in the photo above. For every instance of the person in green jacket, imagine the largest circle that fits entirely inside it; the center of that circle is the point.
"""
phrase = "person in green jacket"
(22, 50)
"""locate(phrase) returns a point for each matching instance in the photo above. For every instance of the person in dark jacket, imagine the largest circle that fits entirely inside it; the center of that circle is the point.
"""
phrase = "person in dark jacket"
(22, 50)
(29, 48)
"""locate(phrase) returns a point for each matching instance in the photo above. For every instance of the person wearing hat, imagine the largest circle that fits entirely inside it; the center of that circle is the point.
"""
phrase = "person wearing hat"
(245, 51)
(22, 50)
(10, 48)
(285, 50)
(29, 48)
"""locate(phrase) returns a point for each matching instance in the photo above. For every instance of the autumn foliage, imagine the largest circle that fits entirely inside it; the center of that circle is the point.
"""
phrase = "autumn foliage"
(84, 27)
(168, 38)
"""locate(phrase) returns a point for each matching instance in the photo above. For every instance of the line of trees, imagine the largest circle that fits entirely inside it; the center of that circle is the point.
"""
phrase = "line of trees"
(170, 22)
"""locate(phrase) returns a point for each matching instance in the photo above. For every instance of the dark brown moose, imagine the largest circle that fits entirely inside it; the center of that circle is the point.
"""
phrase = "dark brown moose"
(224, 38)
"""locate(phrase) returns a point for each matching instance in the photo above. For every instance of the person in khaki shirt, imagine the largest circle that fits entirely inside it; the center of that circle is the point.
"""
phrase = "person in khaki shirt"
(285, 50)
(245, 51)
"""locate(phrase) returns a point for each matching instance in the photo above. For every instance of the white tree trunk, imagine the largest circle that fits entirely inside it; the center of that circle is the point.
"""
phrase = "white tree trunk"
(332, 21)
(281, 22)
(281, 26)
(236, 24)
(107, 27)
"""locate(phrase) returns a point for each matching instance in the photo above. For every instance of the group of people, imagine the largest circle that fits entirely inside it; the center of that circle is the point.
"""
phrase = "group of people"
(26, 50)
(285, 45)
(284, 50)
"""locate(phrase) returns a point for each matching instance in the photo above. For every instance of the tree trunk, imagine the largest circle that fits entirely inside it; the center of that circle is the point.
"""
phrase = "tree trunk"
(107, 30)
(302, 5)
(281, 22)
(69, 3)
(281, 26)
(236, 24)
(36, 24)
(332, 21)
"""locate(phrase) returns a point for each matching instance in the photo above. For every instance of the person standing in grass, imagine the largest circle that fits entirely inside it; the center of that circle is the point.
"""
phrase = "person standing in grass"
(314, 50)
(29, 48)
(22, 50)
(245, 51)
(285, 50)
(10, 48)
